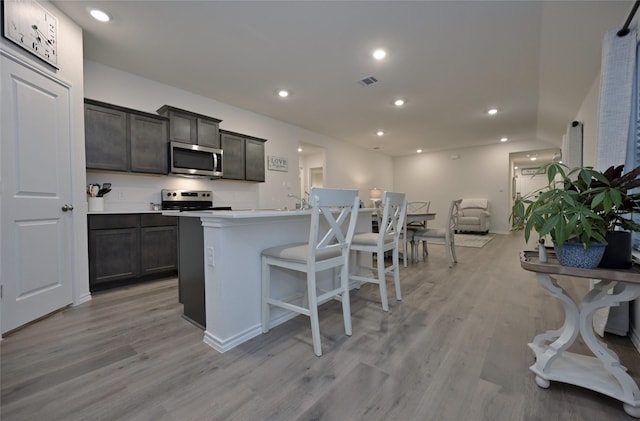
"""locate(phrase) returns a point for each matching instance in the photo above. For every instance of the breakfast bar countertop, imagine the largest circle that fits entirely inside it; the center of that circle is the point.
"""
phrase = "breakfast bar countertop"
(253, 213)
(121, 212)
(245, 213)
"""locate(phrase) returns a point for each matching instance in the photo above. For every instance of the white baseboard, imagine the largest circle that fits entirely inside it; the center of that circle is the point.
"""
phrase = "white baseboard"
(222, 346)
(83, 299)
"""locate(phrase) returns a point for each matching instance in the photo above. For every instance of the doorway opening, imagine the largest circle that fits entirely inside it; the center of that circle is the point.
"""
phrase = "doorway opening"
(312, 163)
(523, 167)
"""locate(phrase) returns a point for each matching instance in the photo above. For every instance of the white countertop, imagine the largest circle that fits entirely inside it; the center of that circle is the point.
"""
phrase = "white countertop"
(121, 212)
(249, 213)
(242, 214)
(232, 214)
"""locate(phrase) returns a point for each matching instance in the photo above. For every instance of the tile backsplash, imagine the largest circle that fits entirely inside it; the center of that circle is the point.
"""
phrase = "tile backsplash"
(132, 192)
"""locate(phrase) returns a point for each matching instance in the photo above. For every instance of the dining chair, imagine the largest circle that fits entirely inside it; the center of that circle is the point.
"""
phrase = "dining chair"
(447, 234)
(334, 214)
(419, 206)
(415, 207)
(394, 209)
(406, 236)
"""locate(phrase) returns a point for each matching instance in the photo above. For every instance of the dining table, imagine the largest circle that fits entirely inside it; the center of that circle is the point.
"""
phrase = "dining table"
(421, 218)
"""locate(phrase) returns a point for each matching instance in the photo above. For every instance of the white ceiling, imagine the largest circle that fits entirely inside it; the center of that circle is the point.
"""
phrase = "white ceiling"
(542, 157)
(450, 60)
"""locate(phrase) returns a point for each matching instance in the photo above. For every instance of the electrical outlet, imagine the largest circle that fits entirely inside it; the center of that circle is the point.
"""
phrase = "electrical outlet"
(210, 258)
(120, 195)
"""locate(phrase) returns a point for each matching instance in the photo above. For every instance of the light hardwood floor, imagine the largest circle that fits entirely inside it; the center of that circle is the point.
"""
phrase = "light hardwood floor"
(454, 349)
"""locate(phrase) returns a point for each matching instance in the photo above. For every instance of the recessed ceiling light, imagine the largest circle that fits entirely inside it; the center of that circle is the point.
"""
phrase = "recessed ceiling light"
(515, 168)
(492, 111)
(533, 158)
(283, 93)
(379, 54)
(398, 102)
(504, 139)
(100, 15)
(380, 133)
(419, 151)
(299, 148)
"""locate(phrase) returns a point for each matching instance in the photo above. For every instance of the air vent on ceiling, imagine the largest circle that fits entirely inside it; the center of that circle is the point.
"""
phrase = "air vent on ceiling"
(369, 80)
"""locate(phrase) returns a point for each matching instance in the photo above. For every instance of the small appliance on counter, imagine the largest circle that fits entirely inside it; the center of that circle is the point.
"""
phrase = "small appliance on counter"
(189, 200)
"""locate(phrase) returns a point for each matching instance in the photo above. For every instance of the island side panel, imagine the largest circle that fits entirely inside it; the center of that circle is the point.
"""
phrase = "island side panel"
(233, 277)
(191, 270)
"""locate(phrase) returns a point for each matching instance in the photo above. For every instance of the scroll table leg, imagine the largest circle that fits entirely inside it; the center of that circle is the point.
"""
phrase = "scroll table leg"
(562, 338)
(623, 386)
(602, 373)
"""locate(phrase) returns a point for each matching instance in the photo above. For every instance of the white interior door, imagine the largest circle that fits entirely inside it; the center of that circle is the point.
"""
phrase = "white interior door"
(36, 185)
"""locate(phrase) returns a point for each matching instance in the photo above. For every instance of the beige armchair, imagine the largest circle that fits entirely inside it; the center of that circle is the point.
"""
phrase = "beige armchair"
(474, 216)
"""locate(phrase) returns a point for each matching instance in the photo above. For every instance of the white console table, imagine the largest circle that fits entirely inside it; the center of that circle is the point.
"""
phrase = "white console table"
(602, 372)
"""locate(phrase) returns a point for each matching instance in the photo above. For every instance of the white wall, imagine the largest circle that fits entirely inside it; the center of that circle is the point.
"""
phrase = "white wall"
(479, 172)
(347, 166)
(588, 115)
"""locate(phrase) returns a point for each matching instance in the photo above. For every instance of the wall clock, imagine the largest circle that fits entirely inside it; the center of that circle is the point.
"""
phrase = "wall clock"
(32, 27)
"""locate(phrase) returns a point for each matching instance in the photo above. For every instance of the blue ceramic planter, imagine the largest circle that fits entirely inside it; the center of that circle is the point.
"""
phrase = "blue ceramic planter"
(574, 255)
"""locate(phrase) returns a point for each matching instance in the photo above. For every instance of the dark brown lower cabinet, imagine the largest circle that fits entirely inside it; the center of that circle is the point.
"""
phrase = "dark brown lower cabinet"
(126, 248)
(158, 244)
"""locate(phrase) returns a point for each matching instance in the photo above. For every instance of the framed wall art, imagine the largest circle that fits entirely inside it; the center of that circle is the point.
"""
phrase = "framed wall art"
(277, 163)
(32, 27)
(531, 171)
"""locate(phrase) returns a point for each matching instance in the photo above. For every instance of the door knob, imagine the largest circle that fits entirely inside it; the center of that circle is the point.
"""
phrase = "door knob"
(67, 208)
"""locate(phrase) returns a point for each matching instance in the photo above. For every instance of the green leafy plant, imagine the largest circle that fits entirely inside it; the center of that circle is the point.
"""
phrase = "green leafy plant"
(579, 204)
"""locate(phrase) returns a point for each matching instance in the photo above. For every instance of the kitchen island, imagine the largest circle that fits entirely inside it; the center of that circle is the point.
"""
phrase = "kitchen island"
(220, 252)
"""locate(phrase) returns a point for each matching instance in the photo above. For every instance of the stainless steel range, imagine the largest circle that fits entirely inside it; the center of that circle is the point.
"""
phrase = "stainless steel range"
(189, 200)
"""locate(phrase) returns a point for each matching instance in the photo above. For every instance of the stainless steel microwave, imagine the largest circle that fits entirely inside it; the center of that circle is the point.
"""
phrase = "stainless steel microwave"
(195, 160)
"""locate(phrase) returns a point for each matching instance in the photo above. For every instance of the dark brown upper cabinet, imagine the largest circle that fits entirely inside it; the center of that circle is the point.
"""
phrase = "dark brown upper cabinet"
(122, 139)
(189, 127)
(243, 156)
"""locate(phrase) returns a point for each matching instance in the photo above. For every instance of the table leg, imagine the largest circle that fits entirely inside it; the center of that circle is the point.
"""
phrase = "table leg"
(560, 339)
(404, 236)
(596, 299)
(602, 373)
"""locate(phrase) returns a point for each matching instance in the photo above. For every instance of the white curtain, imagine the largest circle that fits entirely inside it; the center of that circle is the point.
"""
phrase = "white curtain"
(616, 93)
(616, 88)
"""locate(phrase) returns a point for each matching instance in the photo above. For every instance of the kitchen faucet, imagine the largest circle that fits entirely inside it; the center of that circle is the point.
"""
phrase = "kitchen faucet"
(303, 202)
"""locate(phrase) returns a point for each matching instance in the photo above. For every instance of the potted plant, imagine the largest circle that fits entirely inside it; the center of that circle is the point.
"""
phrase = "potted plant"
(577, 208)
(616, 212)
